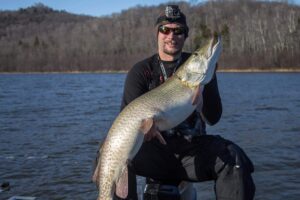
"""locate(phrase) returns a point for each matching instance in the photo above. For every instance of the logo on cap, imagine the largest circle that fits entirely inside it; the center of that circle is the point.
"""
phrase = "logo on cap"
(172, 11)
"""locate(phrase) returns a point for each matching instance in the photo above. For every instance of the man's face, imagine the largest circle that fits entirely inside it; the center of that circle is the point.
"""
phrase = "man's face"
(172, 40)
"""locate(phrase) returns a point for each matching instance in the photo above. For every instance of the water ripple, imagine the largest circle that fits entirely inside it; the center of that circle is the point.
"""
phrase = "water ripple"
(51, 126)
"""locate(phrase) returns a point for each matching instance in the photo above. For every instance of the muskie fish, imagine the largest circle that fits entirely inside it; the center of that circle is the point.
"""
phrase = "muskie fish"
(165, 106)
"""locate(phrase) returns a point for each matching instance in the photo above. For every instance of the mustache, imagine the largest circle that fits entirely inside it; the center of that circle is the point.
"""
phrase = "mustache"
(173, 42)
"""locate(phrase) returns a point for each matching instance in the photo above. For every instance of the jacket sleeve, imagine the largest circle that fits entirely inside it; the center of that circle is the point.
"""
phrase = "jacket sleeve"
(212, 105)
(135, 85)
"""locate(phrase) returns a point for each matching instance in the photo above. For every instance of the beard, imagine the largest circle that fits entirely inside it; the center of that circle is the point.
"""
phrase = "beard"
(173, 50)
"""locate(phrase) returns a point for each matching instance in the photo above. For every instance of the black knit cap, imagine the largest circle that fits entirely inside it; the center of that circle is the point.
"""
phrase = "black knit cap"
(173, 14)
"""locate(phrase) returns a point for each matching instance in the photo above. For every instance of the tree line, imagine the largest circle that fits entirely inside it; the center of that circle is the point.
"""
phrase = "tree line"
(256, 35)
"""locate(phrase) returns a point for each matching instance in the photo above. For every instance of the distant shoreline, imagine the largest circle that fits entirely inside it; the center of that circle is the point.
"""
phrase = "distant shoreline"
(260, 70)
(287, 70)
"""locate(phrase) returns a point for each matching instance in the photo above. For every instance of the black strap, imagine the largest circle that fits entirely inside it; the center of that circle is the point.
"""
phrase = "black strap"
(163, 70)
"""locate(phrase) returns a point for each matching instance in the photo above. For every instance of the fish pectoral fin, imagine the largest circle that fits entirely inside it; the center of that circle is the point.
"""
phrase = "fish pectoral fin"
(122, 184)
(146, 125)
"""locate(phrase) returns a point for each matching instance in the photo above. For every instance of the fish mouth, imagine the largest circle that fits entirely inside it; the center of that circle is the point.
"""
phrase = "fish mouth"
(209, 47)
(212, 51)
(207, 58)
(214, 46)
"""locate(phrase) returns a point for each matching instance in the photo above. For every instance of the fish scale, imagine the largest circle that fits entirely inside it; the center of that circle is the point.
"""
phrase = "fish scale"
(167, 105)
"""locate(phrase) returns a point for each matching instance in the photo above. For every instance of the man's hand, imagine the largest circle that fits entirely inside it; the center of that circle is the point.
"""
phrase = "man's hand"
(154, 133)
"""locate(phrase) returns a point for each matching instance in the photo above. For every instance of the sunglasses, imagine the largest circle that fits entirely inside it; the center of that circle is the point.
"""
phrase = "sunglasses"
(166, 30)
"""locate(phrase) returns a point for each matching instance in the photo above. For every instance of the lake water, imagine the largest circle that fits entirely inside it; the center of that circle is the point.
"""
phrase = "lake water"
(51, 125)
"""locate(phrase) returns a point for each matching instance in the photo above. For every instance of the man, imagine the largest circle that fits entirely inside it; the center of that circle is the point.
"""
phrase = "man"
(186, 152)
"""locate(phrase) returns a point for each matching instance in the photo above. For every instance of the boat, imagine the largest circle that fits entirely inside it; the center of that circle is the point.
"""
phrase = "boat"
(21, 198)
(184, 191)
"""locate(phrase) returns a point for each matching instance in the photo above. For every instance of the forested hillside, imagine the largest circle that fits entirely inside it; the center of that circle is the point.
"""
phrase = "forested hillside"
(256, 35)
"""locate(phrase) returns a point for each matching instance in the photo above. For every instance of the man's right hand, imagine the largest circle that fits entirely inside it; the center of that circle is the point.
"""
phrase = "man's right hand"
(154, 133)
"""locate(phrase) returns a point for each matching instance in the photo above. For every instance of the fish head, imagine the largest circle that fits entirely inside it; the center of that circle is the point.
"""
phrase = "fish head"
(201, 65)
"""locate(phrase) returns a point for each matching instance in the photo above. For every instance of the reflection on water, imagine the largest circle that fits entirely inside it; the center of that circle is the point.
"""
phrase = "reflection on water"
(51, 126)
